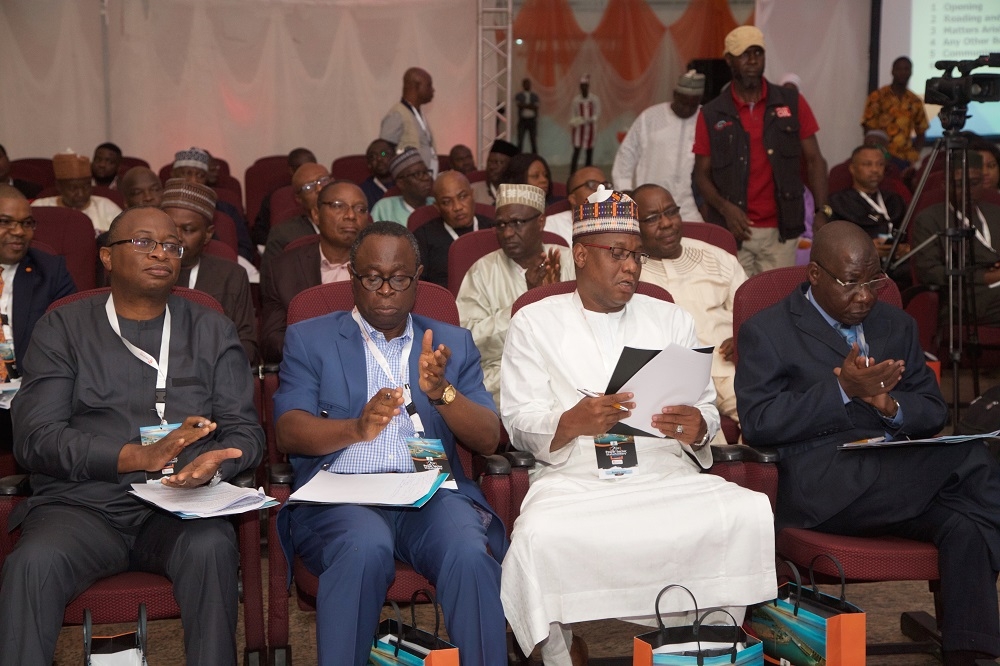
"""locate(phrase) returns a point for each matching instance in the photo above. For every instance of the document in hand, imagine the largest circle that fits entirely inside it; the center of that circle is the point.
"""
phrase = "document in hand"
(225, 499)
(413, 489)
(674, 376)
(883, 443)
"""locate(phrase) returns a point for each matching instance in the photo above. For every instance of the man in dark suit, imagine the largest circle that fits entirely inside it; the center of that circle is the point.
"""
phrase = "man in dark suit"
(341, 211)
(802, 388)
(307, 181)
(344, 405)
(31, 280)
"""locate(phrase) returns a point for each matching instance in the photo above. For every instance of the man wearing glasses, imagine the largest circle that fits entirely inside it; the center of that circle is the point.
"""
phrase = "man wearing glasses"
(354, 387)
(414, 181)
(580, 549)
(380, 152)
(100, 373)
(830, 364)
(307, 181)
(581, 184)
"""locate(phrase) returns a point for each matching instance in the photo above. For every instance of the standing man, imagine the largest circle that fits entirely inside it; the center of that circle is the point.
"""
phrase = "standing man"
(107, 162)
(354, 387)
(405, 125)
(749, 145)
(141, 187)
(586, 110)
(898, 112)
(73, 180)
(496, 163)
(527, 115)
(657, 148)
(414, 180)
(85, 398)
(380, 152)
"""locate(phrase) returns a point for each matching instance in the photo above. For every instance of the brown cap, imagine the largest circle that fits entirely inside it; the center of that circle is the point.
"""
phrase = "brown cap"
(193, 196)
(69, 165)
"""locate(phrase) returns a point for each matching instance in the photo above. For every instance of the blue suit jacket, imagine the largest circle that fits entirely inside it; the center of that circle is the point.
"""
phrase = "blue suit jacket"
(323, 369)
(41, 279)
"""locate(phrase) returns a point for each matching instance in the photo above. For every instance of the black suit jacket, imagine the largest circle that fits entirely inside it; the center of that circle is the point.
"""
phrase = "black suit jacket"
(40, 280)
(788, 397)
(434, 242)
(227, 282)
(291, 272)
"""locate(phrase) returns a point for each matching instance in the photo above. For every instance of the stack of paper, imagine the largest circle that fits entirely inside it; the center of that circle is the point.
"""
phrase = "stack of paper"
(413, 489)
(225, 499)
(7, 392)
(883, 443)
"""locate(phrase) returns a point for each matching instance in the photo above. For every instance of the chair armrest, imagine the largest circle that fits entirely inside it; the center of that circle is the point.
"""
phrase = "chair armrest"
(267, 368)
(519, 459)
(282, 473)
(15, 484)
(762, 455)
(245, 479)
(741, 453)
(491, 465)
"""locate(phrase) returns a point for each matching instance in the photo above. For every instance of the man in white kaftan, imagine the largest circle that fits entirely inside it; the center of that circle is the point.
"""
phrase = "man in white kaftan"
(495, 281)
(657, 148)
(585, 548)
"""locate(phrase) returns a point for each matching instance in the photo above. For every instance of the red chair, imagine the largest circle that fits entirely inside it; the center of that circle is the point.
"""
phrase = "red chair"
(114, 599)
(284, 205)
(486, 210)
(230, 196)
(558, 207)
(476, 176)
(559, 189)
(421, 216)
(225, 230)
(711, 233)
(473, 246)
(219, 249)
(300, 241)
(36, 169)
(444, 163)
(70, 234)
(263, 177)
(351, 167)
(129, 163)
(503, 483)
(864, 559)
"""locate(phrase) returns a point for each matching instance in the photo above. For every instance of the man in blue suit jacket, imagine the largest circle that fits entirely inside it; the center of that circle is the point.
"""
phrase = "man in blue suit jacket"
(802, 388)
(349, 384)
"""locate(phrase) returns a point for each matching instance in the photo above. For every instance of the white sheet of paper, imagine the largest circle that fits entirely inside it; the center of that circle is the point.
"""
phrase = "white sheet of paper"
(7, 392)
(203, 502)
(675, 376)
(377, 489)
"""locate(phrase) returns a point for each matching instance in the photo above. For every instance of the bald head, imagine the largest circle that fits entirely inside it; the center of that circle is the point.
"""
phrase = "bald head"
(454, 199)
(583, 183)
(140, 186)
(11, 192)
(306, 184)
(838, 239)
(418, 88)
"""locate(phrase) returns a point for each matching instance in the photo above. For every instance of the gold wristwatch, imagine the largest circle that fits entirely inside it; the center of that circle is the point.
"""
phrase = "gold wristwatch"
(447, 397)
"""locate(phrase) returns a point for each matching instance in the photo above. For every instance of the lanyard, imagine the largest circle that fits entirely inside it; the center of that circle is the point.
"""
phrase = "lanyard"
(159, 365)
(878, 205)
(454, 234)
(982, 233)
(193, 275)
(411, 409)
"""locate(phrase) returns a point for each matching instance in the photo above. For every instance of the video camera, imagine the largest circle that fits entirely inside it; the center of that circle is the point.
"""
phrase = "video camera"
(949, 91)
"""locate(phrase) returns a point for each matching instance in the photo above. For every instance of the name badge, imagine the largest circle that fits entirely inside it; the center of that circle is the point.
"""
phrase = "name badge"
(428, 454)
(152, 434)
(616, 456)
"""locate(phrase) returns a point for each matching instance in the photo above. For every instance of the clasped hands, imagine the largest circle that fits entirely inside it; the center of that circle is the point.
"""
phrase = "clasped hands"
(153, 457)
(596, 416)
(861, 377)
(548, 270)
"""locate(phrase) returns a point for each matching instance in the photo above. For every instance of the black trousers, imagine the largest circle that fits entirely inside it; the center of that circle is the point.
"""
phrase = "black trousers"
(527, 126)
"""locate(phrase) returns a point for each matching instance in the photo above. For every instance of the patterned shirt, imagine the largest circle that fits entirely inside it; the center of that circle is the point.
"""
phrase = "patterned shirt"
(899, 117)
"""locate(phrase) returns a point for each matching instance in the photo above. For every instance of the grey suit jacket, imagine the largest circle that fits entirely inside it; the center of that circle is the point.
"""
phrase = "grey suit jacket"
(293, 271)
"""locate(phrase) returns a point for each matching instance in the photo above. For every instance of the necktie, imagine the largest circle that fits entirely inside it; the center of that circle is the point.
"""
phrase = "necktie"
(849, 333)
(3, 338)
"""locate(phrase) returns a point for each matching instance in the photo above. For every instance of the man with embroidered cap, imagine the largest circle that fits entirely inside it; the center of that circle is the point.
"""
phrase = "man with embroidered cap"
(501, 151)
(192, 206)
(405, 124)
(749, 146)
(496, 280)
(73, 180)
(657, 148)
(355, 386)
(585, 547)
(414, 181)
(586, 110)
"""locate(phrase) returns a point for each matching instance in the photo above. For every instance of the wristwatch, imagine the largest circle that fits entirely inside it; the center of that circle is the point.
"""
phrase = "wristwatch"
(447, 397)
(825, 209)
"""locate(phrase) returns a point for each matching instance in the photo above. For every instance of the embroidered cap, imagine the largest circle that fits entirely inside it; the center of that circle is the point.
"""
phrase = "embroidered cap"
(742, 38)
(178, 193)
(68, 165)
(192, 157)
(606, 212)
(691, 83)
(404, 160)
(528, 195)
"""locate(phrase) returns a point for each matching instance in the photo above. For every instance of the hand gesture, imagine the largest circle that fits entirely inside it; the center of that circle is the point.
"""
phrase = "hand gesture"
(727, 348)
(432, 364)
(737, 221)
(595, 416)
(681, 422)
(861, 377)
(200, 471)
(153, 457)
(376, 414)
(537, 271)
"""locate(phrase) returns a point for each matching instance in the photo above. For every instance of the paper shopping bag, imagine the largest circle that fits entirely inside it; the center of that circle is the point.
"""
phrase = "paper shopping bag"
(400, 644)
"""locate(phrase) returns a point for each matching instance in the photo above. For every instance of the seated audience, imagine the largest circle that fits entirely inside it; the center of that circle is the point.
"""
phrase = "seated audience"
(262, 224)
(73, 182)
(877, 211)
(27, 188)
(140, 186)
(414, 181)
(702, 279)
(494, 282)
(582, 183)
(345, 406)
(574, 525)
(830, 364)
(84, 400)
(453, 199)
(307, 181)
(340, 213)
(531, 169)
(191, 206)
(990, 153)
(461, 159)
(380, 152)
(104, 168)
(496, 163)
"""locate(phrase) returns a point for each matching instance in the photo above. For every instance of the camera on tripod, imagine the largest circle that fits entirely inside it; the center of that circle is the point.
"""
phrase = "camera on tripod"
(951, 91)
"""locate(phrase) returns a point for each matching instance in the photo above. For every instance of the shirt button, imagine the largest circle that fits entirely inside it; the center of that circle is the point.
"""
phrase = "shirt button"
(770, 151)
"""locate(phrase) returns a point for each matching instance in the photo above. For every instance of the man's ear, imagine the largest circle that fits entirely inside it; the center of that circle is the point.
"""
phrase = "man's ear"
(579, 255)
(812, 273)
(105, 254)
(209, 233)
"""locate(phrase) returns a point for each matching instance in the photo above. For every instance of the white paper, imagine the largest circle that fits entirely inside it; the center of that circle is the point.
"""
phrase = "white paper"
(377, 489)
(202, 502)
(675, 376)
(7, 392)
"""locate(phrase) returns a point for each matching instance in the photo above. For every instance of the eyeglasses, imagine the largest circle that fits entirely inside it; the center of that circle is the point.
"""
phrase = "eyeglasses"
(8, 223)
(419, 175)
(874, 285)
(620, 253)
(342, 207)
(148, 246)
(514, 223)
(671, 212)
(314, 185)
(593, 185)
(375, 282)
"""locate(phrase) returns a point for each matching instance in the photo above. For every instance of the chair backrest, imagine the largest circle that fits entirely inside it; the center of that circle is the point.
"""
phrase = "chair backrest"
(70, 234)
(225, 230)
(131, 162)
(766, 289)
(486, 210)
(473, 246)
(421, 216)
(263, 177)
(219, 249)
(36, 169)
(711, 233)
(350, 167)
(194, 295)
(229, 195)
(840, 177)
(300, 241)
(444, 163)
(476, 176)
(433, 301)
(538, 293)
(284, 205)
(558, 207)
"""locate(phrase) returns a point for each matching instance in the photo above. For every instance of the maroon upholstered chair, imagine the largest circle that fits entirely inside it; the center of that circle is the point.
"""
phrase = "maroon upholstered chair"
(711, 233)
(350, 167)
(36, 169)
(477, 176)
(71, 234)
(114, 599)
(217, 248)
(300, 241)
(475, 245)
(230, 192)
(263, 177)
(560, 206)
(421, 216)
(503, 484)
(865, 559)
(225, 230)
(129, 162)
(284, 205)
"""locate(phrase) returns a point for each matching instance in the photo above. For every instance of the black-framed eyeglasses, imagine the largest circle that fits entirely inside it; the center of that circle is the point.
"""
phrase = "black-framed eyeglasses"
(620, 253)
(593, 185)
(670, 212)
(874, 286)
(514, 223)
(28, 223)
(375, 282)
(148, 246)
(342, 207)
(314, 185)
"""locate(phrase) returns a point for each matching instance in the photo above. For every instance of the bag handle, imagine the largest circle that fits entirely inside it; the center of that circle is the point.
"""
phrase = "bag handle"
(840, 570)
(736, 635)
(399, 622)
(424, 592)
(798, 584)
(659, 619)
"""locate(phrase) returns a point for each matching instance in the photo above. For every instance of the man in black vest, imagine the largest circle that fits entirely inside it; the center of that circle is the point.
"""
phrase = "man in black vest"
(749, 144)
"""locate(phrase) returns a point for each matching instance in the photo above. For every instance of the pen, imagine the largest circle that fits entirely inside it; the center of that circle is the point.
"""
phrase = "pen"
(591, 394)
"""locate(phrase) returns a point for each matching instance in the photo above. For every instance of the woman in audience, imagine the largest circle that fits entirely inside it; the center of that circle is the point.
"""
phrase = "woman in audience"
(531, 169)
(991, 162)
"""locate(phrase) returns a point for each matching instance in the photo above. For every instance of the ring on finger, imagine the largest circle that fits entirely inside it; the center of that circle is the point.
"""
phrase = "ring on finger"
(680, 429)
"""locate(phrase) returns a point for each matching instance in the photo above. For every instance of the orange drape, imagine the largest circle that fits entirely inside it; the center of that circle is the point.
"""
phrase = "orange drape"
(552, 36)
(628, 37)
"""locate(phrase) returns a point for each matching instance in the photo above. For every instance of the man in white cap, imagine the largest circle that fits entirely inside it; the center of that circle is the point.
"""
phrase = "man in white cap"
(586, 110)
(494, 282)
(73, 179)
(587, 548)
(749, 145)
(657, 148)
(414, 181)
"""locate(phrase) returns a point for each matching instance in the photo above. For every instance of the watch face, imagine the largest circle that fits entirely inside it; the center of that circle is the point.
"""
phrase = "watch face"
(449, 394)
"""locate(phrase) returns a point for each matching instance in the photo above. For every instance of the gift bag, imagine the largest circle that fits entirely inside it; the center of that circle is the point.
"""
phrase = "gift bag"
(399, 644)
(697, 645)
(127, 649)
(806, 627)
